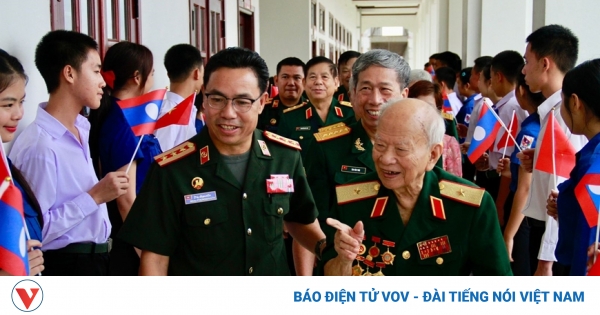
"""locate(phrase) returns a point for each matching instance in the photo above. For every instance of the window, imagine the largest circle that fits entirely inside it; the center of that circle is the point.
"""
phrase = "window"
(107, 21)
(321, 18)
(313, 14)
(335, 29)
(198, 27)
(321, 48)
(343, 36)
(331, 30)
(215, 24)
(331, 56)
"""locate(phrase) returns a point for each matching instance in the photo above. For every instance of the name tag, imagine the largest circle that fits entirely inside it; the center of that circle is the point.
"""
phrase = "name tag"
(354, 169)
(303, 128)
(200, 197)
(434, 247)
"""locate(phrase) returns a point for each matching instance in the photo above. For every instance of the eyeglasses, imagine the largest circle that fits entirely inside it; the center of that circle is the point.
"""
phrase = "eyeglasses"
(240, 104)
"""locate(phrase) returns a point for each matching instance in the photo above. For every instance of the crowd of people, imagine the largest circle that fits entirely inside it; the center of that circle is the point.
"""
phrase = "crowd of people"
(360, 167)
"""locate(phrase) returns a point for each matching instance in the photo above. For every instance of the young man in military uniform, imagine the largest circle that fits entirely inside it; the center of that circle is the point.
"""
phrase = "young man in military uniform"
(345, 63)
(302, 121)
(411, 218)
(290, 83)
(217, 204)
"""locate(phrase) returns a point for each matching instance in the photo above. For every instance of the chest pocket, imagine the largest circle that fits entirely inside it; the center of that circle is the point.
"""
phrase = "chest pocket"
(444, 264)
(275, 209)
(205, 225)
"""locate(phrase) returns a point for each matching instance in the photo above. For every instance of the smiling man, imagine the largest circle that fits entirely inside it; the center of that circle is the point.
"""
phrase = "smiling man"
(290, 83)
(217, 204)
(322, 109)
(410, 217)
(345, 63)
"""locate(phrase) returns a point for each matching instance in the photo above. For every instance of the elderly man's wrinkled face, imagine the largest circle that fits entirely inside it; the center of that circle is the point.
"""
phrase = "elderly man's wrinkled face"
(401, 151)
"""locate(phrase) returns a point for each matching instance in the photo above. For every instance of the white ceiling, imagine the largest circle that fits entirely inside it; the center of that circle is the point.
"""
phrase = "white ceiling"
(388, 7)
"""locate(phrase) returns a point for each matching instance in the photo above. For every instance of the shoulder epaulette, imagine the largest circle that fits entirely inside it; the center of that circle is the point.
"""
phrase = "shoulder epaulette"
(358, 191)
(334, 126)
(462, 193)
(294, 107)
(175, 154)
(332, 133)
(345, 103)
(282, 140)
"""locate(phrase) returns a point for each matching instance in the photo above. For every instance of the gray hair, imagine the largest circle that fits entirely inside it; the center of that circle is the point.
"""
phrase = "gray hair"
(382, 58)
(434, 128)
(419, 75)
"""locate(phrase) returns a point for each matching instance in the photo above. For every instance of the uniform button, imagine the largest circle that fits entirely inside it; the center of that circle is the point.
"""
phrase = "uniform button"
(206, 221)
(280, 211)
(245, 196)
(439, 260)
(249, 231)
(250, 270)
(406, 255)
(301, 137)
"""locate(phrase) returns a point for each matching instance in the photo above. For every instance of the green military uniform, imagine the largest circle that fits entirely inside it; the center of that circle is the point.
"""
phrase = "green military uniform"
(452, 231)
(302, 121)
(339, 156)
(271, 114)
(194, 210)
(341, 94)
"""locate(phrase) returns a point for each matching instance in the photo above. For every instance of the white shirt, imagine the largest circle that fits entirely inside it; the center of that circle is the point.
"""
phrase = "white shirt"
(542, 183)
(505, 108)
(455, 103)
(474, 117)
(172, 135)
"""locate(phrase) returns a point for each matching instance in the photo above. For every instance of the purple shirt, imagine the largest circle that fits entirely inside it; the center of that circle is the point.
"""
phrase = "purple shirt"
(60, 171)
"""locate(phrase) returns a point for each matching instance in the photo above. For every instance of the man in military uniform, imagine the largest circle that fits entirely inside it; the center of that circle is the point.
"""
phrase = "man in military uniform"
(217, 204)
(302, 121)
(290, 83)
(411, 218)
(345, 63)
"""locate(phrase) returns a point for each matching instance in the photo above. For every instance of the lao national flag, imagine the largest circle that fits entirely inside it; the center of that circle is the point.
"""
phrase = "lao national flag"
(446, 107)
(485, 133)
(588, 193)
(179, 115)
(141, 112)
(556, 149)
(13, 248)
(505, 140)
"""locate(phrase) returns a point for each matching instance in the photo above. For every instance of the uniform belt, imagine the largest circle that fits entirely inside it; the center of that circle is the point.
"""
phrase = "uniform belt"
(492, 174)
(83, 248)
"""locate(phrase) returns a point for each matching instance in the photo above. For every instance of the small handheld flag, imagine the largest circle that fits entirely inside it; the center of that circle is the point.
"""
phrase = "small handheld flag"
(506, 141)
(484, 135)
(178, 115)
(141, 112)
(556, 154)
(13, 247)
(446, 107)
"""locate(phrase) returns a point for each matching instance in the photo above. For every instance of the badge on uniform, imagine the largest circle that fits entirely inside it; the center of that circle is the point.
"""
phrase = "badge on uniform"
(303, 128)
(263, 147)
(200, 197)
(354, 169)
(527, 142)
(467, 118)
(204, 157)
(280, 184)
(197, 183)
(434, 247)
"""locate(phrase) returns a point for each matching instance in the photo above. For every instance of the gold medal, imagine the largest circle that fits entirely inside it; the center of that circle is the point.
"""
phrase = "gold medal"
(369, 264)
(197, 183)
(362, 249)
(380, 272)
(374, 250)
(357, 269)
(388, 257)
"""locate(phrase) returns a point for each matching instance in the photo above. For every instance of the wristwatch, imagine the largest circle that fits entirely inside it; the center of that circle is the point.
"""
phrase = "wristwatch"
(318, 251)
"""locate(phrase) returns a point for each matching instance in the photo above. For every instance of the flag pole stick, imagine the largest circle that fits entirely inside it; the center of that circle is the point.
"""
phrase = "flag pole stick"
(502, 124)
(596, 242)
(510, 128)
(134, 153)
(553, 150)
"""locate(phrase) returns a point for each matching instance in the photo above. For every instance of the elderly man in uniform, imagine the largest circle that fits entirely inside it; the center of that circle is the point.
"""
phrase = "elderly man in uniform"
(410, 217)
(217, 204)
(302, 121)
(290, 83)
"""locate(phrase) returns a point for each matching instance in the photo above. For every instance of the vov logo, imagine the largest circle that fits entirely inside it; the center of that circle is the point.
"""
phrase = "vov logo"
(27, 295)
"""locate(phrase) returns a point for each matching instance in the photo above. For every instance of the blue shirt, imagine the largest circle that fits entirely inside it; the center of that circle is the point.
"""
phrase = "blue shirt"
(464, 114)
(31, 216)
(574, 234)
(527, 138)
(199, 125)
(117, 144)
